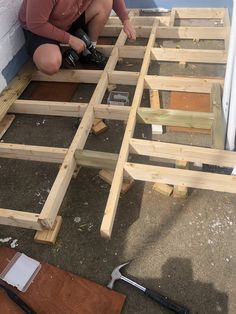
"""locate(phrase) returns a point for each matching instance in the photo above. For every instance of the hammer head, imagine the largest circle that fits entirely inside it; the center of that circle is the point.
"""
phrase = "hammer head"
(115, 275)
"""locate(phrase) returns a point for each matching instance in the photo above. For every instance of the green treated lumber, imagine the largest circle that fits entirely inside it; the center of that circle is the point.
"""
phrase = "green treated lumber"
(218, 128)
(172, 117)
(94, 159)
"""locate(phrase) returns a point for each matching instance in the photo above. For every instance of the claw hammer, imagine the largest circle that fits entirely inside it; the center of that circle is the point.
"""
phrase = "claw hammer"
(162, 300)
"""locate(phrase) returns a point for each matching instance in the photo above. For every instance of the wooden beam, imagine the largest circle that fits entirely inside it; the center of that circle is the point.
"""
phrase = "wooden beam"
(182, 84)
(49, 236)
(51, 207)
(196, 154)
(20, 219)
(199, 13)
(189, 55)
(95, 159)
(111, 207)
(189, 178)
(72, 76)
(6, 123)
(175, 32)
(31, 152)
(123, 78)
(173, 117)
(15, 88)
(219, 126)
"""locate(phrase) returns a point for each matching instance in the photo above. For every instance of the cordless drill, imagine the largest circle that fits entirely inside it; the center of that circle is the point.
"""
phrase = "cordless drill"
(72, 57)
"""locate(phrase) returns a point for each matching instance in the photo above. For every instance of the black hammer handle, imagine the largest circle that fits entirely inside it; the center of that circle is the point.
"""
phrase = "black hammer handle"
(14, 297)
(166, 302)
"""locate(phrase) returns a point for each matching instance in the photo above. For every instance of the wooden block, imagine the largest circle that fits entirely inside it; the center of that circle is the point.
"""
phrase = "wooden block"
(189, 102)
(6, 123)
(99, 126)
(111, 87)
(180, 191)
(162, 188)
(107, 176)
(49, 236)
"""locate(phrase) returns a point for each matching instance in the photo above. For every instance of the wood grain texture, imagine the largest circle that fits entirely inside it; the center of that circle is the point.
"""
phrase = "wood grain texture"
(55, 291)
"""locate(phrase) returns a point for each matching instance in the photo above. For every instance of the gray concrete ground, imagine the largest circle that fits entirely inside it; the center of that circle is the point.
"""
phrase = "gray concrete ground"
(184, 249)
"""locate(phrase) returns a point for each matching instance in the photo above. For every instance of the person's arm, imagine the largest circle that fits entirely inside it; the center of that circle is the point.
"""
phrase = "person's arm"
(37, 21)
(120, 8)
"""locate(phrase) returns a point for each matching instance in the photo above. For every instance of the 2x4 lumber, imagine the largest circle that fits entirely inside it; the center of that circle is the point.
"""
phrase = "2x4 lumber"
(172, 17)
(108, 175)
(33, 153)
(94, 159)
(6, 123)
(68, 109)
(219, 127)
(123, 77)
(189, 55)
(175, 118)
(113, 198)
(136, 52)
(182, 84)
(199, 13)
(140, 20)
(180, 191)
(71, 76)
(49, 236)
(226, 24)
(15, 88)
(51, 207)
(196, 154)
(155, 104)
(20, 219)
(174, 32)
(188, 178)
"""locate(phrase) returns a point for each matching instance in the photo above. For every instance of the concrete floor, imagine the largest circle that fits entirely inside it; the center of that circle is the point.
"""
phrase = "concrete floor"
(184, 249)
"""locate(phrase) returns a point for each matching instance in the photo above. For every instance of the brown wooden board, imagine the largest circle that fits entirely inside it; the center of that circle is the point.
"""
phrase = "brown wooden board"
(55, 291)
(53, 91)
(189, 102)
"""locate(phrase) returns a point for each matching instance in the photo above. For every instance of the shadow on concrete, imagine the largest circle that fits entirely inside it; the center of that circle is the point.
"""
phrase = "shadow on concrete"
(177, 282)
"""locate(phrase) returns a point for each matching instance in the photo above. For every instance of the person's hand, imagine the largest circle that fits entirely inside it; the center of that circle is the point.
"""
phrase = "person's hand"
(77, 44)
(129, 30)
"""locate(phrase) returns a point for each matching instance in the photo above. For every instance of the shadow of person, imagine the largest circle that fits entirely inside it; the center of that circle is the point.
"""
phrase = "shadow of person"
(199, 297)
(178, 284)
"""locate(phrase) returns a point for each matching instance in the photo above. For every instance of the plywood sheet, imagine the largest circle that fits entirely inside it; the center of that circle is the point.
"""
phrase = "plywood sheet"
(189, 102)
(55, 291)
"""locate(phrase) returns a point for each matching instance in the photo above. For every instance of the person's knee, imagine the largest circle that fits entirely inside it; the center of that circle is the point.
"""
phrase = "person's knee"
(48, 63)
(50, 66)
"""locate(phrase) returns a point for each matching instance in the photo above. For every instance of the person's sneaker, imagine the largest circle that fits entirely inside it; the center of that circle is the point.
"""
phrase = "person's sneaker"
(95, 58)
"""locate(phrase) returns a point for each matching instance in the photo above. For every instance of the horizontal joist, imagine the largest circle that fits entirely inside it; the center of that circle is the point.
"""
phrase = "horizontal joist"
(182, 177)
(172, 117)
(71, 76)
(31, 152)
(171, 83)
(174, 32)
(189, 55)
(199, 13)
(19, 219)
(112, 112)
(94, 159)
(182, 84)
(69, 109)
(196, 154)
(170, 54)
(141, 20)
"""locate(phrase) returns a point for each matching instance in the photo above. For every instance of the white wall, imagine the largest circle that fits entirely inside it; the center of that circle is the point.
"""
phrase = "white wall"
(11, 35)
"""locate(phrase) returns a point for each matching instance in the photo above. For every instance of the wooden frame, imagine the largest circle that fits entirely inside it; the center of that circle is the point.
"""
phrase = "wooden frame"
(152, 28)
